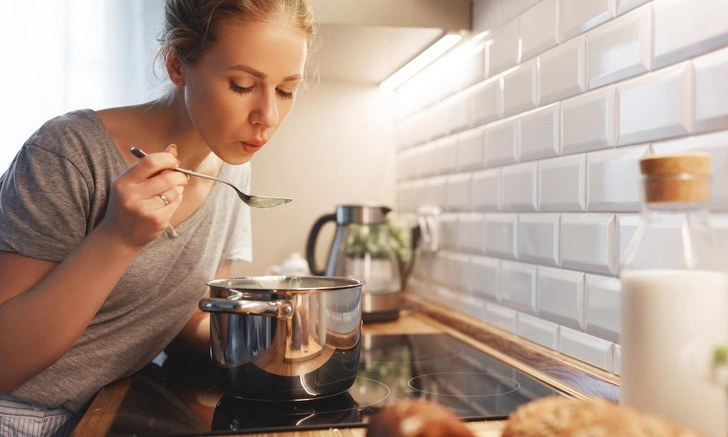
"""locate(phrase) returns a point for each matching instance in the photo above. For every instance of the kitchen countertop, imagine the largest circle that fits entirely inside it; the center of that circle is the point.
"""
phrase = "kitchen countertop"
(572, 378)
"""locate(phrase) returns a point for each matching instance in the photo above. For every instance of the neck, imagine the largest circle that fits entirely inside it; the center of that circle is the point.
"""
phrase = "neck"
(169, 123)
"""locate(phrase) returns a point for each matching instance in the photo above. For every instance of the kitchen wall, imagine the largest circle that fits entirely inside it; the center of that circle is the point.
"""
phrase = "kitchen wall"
(528, 137)
(337, 146)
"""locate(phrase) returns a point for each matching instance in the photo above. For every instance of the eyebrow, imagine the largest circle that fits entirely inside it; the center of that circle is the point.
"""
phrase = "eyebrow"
(259, 75)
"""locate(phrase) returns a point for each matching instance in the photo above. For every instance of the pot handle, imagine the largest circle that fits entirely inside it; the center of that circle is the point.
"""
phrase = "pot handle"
(311, 243)
(276, 308)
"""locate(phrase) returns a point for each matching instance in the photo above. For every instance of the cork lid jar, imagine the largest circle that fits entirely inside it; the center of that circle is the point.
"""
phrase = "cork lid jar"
(677, 178)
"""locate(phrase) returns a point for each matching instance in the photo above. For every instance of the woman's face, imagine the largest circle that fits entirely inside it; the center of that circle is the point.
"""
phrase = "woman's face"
(242, 89)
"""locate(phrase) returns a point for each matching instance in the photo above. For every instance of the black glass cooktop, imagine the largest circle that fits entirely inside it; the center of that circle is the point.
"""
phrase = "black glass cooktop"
(182, 399)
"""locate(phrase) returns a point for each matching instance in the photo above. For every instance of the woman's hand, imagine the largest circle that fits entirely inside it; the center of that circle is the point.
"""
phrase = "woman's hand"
(144, 198)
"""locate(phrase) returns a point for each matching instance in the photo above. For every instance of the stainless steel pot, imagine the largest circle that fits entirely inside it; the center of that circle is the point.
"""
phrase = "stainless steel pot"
(285, 338)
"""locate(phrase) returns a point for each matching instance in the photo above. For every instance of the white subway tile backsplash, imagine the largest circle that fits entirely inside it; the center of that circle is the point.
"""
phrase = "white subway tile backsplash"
(444, 157)
(538, 331)
(587, 243)
(538, 239)
(711, 92)
(578, 16)
(471, 150)
(520, 187)
(656, 106)
(717, 145)
(540, 133)
(588, 122)
(520, 89)
(626, 227)
(562, 184)
(615, 181)
(473, 66)
(471, 233)
(624, 6)
(501, 231)
(485, 276)
(539, 207)
(562, 71)
(486, 102)
(440, 267)
(687, 28)
(449, 228)
(617, 364)
(513, 8)
(434, 192)
(458, 192)
(456, 109)
(473, 306)
(603, 303)
(503, 52)
(539, 29)
(619, 49)
(518, 286)
(584, 347)
(501, 317)
(561, 296)
(501, 143)
(422, 160)
(458, 271)
(485, 191)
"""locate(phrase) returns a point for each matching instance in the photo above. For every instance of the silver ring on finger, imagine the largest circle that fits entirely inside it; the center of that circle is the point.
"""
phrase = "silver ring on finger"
(162, 196)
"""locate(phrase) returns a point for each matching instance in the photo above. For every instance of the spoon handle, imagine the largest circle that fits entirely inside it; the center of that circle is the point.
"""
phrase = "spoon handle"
(140, 154)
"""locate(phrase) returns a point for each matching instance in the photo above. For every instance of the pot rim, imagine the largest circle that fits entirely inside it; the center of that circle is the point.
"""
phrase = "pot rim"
(260, 284)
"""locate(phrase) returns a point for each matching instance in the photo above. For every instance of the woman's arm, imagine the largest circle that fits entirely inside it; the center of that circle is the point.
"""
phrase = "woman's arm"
(42, 314)
(194, 338)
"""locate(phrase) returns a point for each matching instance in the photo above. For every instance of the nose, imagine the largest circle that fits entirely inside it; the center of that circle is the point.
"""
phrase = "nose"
(265, 112)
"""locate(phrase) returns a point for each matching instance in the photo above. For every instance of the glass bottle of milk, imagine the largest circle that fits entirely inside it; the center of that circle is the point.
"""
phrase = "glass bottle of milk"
(674, 298)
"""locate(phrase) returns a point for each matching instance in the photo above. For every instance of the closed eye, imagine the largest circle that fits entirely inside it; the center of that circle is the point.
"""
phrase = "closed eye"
(284, 94)
(239, 89)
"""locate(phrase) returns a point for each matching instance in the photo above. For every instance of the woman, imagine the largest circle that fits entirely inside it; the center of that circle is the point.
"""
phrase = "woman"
(103, 257)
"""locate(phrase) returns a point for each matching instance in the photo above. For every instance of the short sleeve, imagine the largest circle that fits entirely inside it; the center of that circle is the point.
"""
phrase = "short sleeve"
(44, 205)
(241, 247)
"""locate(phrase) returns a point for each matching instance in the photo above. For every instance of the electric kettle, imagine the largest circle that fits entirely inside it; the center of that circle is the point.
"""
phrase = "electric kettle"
(362, 249)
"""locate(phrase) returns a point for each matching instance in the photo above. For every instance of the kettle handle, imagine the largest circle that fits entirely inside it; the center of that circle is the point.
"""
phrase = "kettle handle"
(311, 243)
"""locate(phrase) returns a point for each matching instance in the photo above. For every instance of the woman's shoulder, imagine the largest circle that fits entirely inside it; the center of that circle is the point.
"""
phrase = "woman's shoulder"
(70, 133)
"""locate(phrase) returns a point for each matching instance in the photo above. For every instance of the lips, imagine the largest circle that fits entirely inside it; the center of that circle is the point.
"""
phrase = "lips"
(252, 146)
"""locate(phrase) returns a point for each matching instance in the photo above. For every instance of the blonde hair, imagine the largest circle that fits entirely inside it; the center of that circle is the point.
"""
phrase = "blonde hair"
(191, 27)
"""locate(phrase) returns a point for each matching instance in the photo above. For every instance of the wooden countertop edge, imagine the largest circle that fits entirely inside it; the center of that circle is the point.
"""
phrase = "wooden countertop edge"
(570, 376)
(100, 415)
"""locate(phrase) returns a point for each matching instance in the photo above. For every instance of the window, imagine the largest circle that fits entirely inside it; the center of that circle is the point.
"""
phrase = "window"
(62, 55)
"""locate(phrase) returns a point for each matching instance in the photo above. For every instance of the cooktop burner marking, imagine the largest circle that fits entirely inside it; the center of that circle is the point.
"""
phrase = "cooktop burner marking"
(359, 387)
(452, 385)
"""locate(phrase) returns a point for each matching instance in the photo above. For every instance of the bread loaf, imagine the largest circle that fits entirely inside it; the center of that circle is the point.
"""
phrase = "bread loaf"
(416, 418)
(559, 416)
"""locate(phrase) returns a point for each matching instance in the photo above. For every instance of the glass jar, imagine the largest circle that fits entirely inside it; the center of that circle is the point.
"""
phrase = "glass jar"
(674, 298)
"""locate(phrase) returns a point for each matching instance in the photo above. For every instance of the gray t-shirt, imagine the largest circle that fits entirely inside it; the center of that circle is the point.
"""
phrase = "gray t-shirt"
(53, 195)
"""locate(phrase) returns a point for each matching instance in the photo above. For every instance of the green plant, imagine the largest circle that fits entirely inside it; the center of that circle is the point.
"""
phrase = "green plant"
(378, 240)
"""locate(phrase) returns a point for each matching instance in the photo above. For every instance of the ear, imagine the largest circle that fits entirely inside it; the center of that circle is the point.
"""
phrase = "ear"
(174, 67)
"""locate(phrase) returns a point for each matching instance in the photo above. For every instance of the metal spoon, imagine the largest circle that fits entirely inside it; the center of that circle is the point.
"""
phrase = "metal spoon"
(254, 201)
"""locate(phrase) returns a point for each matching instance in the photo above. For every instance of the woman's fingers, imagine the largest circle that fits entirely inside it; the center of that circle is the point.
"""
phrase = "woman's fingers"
(171, 198)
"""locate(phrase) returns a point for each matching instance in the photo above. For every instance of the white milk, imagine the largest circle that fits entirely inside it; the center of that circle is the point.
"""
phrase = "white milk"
(669, 316)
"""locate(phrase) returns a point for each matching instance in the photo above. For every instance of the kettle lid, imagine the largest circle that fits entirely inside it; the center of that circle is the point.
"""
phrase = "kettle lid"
(362, 214)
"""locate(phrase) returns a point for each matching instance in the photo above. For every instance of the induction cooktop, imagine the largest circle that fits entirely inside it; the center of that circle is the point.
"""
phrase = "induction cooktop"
(182, 399)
